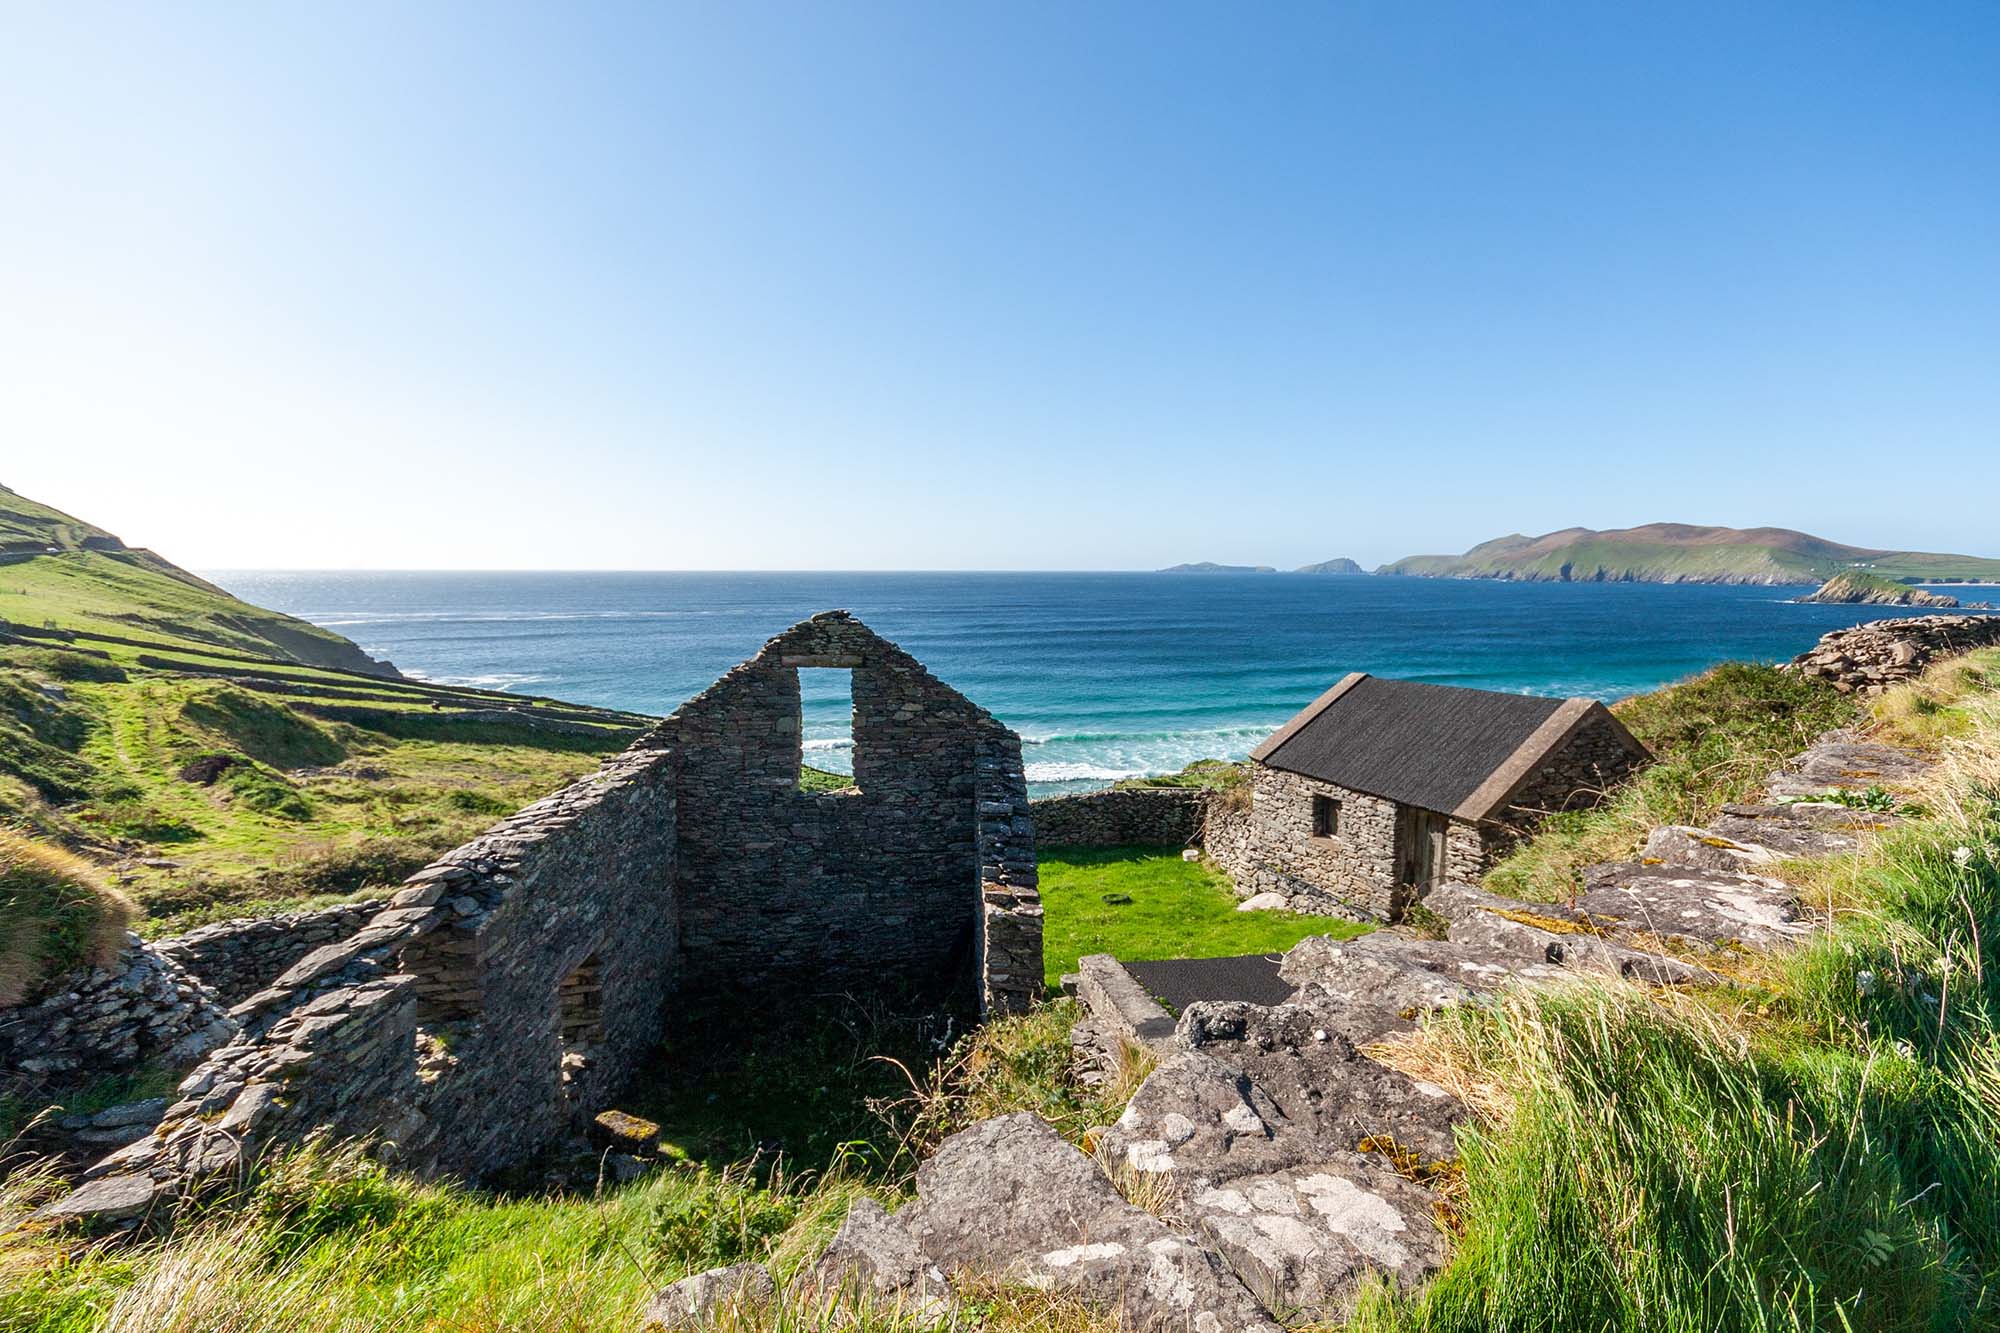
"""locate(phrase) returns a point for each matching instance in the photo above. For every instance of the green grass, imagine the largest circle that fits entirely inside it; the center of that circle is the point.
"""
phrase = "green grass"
(1177, 909)
(1714, 738)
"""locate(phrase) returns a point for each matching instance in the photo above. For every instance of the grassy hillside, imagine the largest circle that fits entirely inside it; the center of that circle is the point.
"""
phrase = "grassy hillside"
(60, 573)
(1682, 553)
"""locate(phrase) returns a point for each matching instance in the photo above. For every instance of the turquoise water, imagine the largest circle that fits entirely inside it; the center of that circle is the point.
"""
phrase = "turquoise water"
(1104, 675)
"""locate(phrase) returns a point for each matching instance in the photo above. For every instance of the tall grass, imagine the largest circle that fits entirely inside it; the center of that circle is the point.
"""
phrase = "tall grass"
(1817, 1150)
(56, 913)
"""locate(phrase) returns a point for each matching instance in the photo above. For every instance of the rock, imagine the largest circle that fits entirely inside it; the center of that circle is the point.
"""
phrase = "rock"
(1685, 845)
(1384, 982)
(1200, 1121)
(1263, 902)
(1191, 854)
(693, 1302)
(1317, 1079)
(1844, 760)
(628, 1133)
(1800, 830)
(1549, 933)
(111, 1199)
(1304, 1240)
(1716, 908)
(873, 1257)
(1008, 1198)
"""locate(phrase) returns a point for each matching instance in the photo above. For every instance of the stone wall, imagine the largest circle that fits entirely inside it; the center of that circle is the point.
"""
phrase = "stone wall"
(1122, 817)
(1269, 848)
(1868, 659)
(144, 1008)
(1575, 776)
(510, 988)
(236, 959)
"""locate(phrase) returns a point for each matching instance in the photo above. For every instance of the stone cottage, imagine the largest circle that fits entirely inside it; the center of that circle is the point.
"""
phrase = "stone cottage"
(1381, 789)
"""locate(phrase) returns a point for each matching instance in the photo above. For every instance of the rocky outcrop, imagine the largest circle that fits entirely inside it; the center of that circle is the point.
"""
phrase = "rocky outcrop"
(1868, 590)
(1008, 1200)
(1868, 659)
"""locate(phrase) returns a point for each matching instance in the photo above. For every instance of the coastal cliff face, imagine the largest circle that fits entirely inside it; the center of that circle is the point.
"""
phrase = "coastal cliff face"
(1867, 590)
(1684, 553)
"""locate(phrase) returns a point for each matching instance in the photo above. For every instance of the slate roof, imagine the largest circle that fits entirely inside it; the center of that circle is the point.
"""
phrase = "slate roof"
(1439, 747)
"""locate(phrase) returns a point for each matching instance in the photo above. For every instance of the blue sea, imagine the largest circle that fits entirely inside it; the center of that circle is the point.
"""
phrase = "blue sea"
(1105, 676)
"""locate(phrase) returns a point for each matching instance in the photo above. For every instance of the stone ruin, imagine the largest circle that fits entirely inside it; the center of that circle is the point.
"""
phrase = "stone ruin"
(513, 986)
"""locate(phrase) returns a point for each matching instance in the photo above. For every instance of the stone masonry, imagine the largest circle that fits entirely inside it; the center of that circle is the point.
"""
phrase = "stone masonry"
(1870, 658)
(238, 958)
(1122, 817)
(510, 988)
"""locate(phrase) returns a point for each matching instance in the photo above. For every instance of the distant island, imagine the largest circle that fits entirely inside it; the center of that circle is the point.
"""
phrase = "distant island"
(1210, 567)
(1683, 553)
(1337, 565)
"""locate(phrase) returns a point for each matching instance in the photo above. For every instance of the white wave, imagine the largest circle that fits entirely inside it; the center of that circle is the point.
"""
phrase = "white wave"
(831, 743)
(494, 680)
(1078, 772)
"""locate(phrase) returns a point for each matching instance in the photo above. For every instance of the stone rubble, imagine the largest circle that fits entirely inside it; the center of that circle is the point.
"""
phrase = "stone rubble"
(1869, 658)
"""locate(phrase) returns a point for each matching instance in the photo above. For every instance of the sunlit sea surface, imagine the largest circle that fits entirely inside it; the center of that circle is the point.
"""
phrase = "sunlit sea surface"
(1105, 676)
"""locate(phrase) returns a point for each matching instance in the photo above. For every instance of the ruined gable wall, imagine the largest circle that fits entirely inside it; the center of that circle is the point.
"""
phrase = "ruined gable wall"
(810, 893)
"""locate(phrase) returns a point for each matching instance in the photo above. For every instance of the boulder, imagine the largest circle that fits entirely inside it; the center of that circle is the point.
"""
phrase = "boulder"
(1844, 760)
(1263, 902)
(1198, 1121)
(109, 1200)
(873, 1257)
(1801, 830)
(1705, 849)
(693, 1302)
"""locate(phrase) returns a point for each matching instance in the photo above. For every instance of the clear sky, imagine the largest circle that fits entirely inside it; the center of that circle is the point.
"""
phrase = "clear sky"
(1006, 286)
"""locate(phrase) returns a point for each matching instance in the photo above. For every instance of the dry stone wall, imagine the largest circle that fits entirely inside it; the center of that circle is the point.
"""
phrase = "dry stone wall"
(1122, 817)
(236, 959)
(145, 1007)
(1868, 659)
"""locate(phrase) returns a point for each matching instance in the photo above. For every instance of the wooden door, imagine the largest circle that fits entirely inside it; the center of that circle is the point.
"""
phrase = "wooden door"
(1420, 852)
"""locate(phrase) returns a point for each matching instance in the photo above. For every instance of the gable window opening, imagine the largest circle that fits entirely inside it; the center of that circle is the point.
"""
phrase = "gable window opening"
(1325, 817)
(826, 729)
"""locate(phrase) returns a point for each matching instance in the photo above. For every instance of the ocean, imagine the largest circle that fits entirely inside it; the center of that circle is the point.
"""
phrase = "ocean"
(1105, 676)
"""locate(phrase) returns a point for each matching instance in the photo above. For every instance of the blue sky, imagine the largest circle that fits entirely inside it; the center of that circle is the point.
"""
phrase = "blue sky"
(1021, 286)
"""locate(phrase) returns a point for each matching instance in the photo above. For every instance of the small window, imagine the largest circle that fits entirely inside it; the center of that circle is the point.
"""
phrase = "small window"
(1326, 816)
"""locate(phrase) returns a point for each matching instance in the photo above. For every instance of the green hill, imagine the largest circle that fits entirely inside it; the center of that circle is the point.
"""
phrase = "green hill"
(1683, 553)
(214, 758)
(60, 573)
